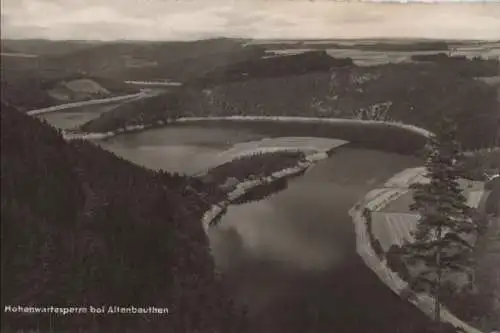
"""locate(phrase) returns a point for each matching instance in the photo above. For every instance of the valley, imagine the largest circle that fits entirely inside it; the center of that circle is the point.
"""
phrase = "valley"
(191, 127)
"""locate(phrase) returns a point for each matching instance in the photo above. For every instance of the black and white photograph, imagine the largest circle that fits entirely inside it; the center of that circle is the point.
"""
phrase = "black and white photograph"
(250, 166)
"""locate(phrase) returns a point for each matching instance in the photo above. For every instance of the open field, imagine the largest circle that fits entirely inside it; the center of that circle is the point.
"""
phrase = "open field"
(393, 224)
(373, 57)
(295, 248)
(301, 144)
(473, 191)
(389, 223)
(393, 228)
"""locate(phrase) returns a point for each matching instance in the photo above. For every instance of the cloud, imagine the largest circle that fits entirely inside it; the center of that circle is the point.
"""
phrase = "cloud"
(168, 19)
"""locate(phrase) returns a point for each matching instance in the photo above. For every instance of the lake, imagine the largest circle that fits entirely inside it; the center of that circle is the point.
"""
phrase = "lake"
(290, 258)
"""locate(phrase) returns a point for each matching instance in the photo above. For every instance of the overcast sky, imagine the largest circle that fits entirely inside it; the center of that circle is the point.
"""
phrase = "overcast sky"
(188, 19)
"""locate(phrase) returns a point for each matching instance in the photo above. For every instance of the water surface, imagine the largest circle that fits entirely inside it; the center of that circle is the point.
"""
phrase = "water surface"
(291, 258)
(187, 150)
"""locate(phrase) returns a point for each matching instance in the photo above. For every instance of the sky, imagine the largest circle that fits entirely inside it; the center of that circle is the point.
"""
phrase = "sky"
(264, 19)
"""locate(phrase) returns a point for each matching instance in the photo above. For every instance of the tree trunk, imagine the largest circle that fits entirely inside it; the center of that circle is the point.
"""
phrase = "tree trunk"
(437, 296)
(437, 302)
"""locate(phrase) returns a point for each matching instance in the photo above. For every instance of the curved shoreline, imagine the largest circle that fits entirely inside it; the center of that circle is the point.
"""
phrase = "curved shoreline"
(381, 198)
(245, 186)
(422, 301)
(376, 199)
(363, 246)
(138, 128)
(418, 130)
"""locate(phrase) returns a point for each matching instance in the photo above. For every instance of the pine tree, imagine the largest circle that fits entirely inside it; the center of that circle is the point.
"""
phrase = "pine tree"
(445, 219)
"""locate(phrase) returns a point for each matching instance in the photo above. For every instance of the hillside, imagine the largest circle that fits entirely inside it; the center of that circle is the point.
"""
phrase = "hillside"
(7, 50)
(32, 90)
(46, 47)
(192, 67)
(30, 83)
(278, 66)
(462, 65)
(411, 93)
(109, 65)
(366, 45)
(177, 61)
(152, 110)
(82, 227)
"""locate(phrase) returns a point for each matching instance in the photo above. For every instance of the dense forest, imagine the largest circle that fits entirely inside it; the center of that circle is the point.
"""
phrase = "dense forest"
(137, 112)
(271, 66)
(15, 92)
(462, 65)
(81, 227)
(253, 167)
(374, 45)
(127, 60)
(415, 94)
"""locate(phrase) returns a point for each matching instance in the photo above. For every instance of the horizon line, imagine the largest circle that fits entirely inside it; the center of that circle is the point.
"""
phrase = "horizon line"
(297, 39)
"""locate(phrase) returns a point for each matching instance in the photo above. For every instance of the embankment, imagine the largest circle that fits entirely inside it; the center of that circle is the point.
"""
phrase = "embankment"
(376, 200)
(84, 103)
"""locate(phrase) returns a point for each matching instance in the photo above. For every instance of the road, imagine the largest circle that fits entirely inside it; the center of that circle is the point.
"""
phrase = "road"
(396, 228)
(155, 83)
(142, 94)
(291, 258)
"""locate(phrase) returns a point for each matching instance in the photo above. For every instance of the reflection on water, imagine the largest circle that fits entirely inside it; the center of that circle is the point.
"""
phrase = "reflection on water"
(263, 191)
(181, 159)
(291, 258)
(195, 149)
(186, 150)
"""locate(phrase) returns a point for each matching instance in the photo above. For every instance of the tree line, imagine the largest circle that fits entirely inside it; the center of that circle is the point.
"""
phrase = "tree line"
(81, 226)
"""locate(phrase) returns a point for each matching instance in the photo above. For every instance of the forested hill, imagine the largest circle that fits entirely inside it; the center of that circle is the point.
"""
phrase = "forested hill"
(81, 227)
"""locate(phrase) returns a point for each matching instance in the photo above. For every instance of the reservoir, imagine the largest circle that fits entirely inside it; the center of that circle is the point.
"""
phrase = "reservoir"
(290, 258)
